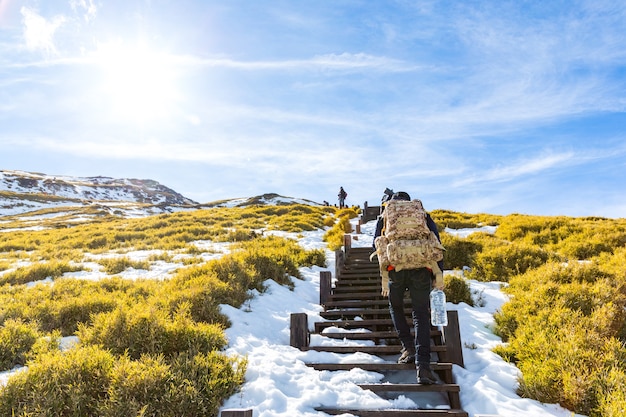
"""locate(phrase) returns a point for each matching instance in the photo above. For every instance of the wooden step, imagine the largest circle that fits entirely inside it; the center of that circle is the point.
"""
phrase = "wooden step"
(356, 296)
(393, 412)
(365, 283)
(372, 324)
(443, 369)
(362, 335)
(372, 313)
(386, 387)
(372, 350)
(359, 303)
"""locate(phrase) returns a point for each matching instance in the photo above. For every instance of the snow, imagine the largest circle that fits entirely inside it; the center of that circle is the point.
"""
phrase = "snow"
(469, 231)
(278, 382)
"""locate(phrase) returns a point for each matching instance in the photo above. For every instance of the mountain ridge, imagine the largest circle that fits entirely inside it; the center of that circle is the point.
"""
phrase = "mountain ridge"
(24, 192)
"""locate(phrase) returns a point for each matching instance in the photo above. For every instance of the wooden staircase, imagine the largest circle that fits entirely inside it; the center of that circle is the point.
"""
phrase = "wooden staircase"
(355, 303)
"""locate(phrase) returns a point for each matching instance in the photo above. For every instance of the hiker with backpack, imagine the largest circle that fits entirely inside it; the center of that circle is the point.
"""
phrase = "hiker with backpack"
(342, 197)
(410, 257)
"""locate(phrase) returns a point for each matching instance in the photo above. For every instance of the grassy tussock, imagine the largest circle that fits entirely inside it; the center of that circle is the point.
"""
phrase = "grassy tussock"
(334, 236)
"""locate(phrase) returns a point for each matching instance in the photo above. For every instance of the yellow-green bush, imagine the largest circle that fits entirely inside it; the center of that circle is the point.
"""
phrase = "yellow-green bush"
(16, 340)
(502, 262)
(143, 330)
(457, 290)
(334, 236)
(37, 272)
(90, 381)
(456, 220)
(118, 264)
(564, 325)
(459, 252)
(68, 384)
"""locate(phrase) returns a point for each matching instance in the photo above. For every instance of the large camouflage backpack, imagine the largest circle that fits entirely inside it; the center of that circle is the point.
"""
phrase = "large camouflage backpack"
(406, 241)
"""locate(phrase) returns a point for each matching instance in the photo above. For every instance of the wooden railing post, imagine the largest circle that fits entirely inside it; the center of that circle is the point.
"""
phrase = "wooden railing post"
(347, 243)
(325, 286)
(340, 259)
(236, 413)
(452, 333)
(299, 335)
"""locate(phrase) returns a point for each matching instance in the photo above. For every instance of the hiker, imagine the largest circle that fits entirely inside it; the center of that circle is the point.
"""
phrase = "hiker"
(386, 197)
(412, 276)
(342, 197)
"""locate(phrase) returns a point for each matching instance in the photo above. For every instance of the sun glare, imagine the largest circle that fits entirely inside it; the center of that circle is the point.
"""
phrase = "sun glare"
(139, 83)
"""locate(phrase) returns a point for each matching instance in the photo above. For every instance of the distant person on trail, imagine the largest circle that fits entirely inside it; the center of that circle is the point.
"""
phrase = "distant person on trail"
(410, 274)
(342, 197)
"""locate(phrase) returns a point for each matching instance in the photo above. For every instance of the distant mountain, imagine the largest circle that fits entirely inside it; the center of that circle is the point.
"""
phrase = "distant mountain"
(22, 191)
(35, 193)
(269, 199)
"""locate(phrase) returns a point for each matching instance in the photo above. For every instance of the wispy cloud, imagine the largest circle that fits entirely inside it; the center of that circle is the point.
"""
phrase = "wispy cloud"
(87, 7)
(39, 31)
(337, 62)
(508, 171)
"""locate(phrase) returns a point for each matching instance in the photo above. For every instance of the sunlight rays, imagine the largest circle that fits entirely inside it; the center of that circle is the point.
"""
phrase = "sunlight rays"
(139, 83)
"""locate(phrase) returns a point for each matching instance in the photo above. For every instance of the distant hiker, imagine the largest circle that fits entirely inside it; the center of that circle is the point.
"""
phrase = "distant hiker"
(387, 194)
(386, 197)
(410, 257)
(342, 197)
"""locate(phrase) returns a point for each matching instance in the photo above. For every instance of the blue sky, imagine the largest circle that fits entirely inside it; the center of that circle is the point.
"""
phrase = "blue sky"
(476, 106)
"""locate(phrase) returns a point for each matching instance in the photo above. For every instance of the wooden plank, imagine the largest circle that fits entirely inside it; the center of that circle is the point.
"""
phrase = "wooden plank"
(325, 286)
(443, 369)
(299, 334)
(373, 350)
(340, 258)
(452, 334)
(411, 387)
(393, 412)
(236, 413)
(376, 366)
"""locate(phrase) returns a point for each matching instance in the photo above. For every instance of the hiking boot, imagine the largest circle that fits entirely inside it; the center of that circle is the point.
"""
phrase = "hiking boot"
(407, 356)
(425, 375)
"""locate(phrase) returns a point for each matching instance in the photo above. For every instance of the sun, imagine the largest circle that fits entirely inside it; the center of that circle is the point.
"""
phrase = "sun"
(137, 83)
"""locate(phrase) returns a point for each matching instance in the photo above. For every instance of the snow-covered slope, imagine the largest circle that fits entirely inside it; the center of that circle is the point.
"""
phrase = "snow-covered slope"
(90, 188)
(83, 197)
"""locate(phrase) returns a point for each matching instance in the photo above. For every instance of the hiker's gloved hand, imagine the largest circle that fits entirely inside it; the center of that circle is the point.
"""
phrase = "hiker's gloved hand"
(384, 283)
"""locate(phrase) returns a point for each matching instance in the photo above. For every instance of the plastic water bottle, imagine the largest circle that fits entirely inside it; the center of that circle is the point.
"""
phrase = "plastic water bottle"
(438, 314)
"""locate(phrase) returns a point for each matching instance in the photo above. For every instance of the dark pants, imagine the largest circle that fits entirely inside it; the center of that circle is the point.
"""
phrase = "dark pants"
(419, 284)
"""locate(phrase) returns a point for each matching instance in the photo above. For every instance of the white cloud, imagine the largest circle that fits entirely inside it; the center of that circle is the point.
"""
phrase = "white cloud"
(87, 5)
(520, 168)
(39, 32)
(337, 62)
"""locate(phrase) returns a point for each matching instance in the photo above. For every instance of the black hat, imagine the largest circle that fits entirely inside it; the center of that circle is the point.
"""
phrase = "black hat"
(401, 195)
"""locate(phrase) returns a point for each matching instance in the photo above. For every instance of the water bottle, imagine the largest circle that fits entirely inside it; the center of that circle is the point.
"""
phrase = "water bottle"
(438, 314)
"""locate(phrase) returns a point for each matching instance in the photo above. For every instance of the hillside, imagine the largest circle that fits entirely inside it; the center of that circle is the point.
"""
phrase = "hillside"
(236, 266)
(77, 199)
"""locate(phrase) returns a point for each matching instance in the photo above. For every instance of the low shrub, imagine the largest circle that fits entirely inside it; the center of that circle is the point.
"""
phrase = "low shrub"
(16, 340)
(457, 290)
(459, 252)
(141, 330)
(119, 264)
(37, 272)
(70, 384)
(90, 381)
(500, 263)
(334, 236)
